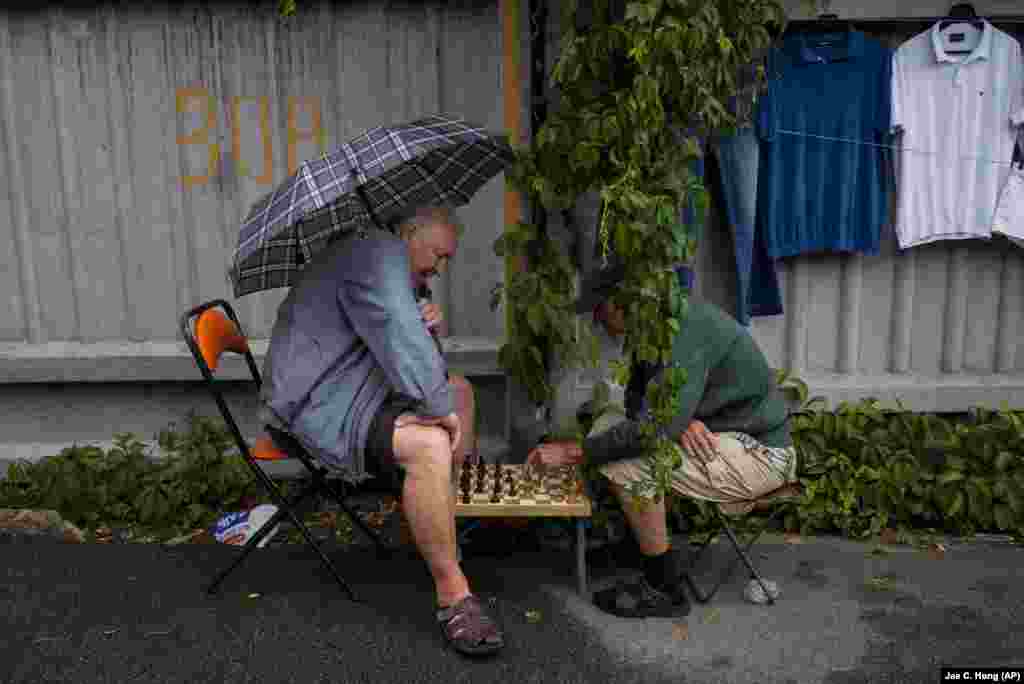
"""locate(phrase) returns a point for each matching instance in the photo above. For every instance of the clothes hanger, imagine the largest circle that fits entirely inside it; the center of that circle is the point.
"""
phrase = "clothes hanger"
(961, 13)
(831, 23)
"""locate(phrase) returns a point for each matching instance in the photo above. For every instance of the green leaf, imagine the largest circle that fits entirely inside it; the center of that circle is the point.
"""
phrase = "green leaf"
(950, 476)
(1016, 500)
(956, 505)
(1004, 517)
(535, 317)
(1003, 461)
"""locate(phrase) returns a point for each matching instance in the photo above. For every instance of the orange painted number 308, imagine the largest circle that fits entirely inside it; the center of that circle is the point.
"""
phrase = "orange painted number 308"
(188, 97)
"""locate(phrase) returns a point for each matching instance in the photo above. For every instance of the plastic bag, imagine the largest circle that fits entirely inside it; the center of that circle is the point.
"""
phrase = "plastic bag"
(238, 528)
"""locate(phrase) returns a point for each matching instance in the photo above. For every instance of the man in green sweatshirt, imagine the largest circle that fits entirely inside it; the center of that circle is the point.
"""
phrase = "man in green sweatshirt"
(732, 427)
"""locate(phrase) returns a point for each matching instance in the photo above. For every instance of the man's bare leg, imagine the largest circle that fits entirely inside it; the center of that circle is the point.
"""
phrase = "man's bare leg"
(428, 503)
(465, 407)
(648, 522)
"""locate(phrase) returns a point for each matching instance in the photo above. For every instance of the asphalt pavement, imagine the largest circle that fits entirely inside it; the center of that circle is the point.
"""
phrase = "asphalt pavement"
(136, 613)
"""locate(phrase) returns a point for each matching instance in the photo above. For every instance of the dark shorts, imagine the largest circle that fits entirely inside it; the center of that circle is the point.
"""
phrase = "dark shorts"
(380, 455)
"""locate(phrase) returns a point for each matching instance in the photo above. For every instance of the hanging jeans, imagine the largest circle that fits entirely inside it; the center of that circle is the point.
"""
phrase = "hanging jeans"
(758, 291)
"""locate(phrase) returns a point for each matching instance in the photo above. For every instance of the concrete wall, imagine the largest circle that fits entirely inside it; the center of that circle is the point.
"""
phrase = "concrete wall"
(114, 220)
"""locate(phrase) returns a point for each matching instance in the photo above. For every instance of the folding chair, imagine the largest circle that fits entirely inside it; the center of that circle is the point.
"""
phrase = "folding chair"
(787, 492)
(214, 333)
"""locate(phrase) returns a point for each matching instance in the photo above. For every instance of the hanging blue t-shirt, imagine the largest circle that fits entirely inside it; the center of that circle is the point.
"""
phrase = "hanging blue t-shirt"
(821, 183)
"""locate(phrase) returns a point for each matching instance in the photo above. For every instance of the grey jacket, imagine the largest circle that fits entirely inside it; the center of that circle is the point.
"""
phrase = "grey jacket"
(349, 333)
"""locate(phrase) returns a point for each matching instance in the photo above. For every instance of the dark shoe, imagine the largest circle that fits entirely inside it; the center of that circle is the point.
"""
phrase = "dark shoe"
(468, 628)
(641, 600)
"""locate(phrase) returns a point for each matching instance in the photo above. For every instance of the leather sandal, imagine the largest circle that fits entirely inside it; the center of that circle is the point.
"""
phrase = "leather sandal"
(468, 628)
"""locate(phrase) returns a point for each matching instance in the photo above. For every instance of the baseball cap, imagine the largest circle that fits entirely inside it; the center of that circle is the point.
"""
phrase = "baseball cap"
(601, 283)
(598, 285)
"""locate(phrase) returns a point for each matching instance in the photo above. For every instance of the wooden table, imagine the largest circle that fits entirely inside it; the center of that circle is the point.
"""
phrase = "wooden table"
(529, 507)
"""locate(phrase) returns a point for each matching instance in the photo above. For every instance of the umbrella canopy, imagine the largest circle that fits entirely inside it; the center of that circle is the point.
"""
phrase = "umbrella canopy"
(436, 160)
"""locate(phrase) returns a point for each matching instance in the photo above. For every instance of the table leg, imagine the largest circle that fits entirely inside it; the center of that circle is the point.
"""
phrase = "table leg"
(581, 558)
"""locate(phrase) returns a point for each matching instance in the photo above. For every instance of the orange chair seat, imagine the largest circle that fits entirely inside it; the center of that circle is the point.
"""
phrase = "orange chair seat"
(266, 450)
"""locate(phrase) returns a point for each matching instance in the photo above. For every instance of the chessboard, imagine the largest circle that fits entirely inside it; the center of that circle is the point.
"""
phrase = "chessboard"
(553, 491)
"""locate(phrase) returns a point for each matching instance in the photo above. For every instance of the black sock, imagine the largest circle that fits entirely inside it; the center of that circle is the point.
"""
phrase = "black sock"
(661, 571)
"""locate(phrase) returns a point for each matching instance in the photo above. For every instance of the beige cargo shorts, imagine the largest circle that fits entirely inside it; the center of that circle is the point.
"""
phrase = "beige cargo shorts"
(743, 470)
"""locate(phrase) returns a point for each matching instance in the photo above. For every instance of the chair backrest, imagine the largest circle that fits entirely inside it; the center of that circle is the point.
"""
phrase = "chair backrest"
(209, 333)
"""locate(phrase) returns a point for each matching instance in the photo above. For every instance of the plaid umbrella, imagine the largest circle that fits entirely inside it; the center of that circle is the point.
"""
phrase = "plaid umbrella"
(436, 160)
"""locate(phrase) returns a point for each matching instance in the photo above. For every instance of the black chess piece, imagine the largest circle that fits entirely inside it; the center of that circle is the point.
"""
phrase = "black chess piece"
(496, 494)
(465, 481)
(481, 474)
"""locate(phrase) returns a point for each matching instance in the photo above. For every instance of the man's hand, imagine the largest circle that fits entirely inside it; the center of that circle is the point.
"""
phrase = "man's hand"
(556, 454)
(450, 423)
(699, 441)
(431, 314)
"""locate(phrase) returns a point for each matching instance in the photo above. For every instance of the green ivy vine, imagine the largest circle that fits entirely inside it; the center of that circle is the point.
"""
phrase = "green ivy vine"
(629, 87)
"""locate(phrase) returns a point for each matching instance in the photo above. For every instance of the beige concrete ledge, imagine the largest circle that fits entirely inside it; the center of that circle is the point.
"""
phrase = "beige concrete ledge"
(171, 361)
(950, 393)
(491, 447)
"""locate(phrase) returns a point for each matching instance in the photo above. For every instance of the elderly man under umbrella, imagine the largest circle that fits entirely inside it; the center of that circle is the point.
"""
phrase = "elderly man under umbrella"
(351, 370)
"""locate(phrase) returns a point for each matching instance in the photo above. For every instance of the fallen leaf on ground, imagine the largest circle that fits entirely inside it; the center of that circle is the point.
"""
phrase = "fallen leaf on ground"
(712, 615)
(254, 596)
(879, 583)
(533, 616)
(888, 536)
(681, 631)
(191, 537)
(164, 633)
(936, 551)
(879, 551)
(791, 538)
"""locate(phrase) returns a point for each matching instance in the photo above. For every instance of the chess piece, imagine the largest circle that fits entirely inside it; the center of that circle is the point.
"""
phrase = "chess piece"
(481, 473)
(541, 472)
(496, 495)
(465, 481)
(510, 484)
(526, 481)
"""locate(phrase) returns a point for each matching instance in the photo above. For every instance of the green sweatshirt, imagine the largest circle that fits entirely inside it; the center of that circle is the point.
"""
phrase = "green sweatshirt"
(729, 387)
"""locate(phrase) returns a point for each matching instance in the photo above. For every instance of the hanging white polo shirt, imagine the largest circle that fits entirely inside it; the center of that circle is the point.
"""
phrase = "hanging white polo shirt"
(958, 113)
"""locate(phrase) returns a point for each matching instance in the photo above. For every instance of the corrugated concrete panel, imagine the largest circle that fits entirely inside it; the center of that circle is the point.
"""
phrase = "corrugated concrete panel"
(136, 139)
(128, 173)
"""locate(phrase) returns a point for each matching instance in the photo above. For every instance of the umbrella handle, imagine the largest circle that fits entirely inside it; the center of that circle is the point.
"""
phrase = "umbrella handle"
(423, 296)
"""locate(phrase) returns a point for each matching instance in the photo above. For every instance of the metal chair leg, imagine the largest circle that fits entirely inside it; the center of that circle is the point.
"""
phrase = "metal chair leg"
(248, 548)
(581, 558)
(340, 498)
(741, 551)
(746, 561)
(286, 509)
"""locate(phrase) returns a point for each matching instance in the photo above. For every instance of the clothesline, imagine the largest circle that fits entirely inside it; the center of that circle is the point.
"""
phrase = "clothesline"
(891, 147)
